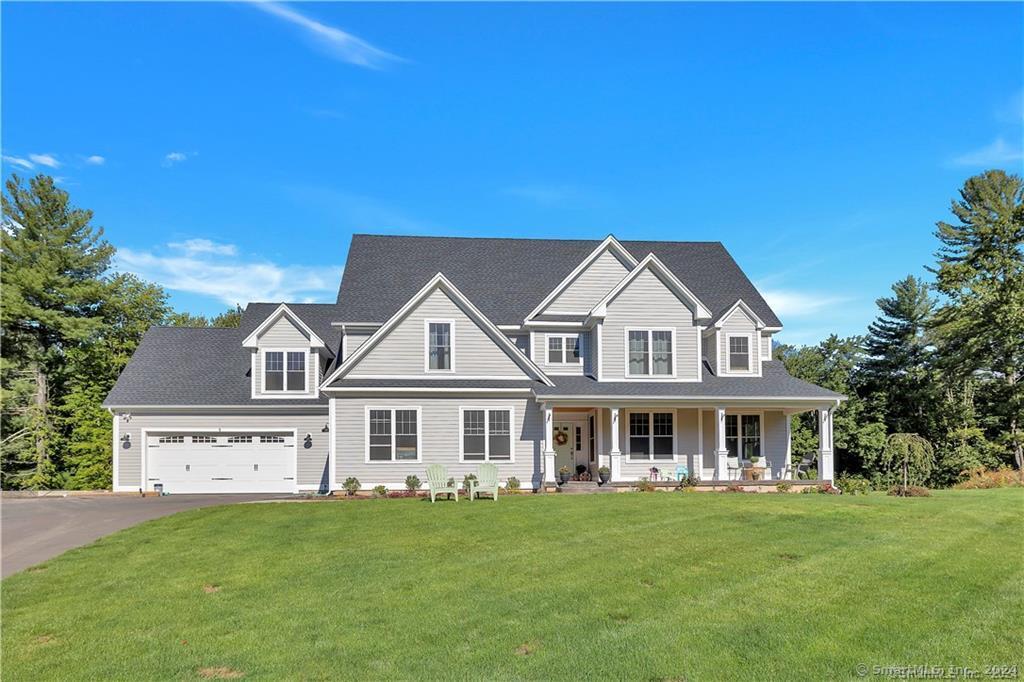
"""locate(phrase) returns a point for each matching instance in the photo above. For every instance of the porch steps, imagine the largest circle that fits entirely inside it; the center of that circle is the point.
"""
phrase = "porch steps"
(584, 488)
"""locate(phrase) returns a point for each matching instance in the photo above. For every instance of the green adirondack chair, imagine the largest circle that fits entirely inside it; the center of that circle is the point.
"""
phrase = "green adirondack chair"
(487, 482)
(437, 482)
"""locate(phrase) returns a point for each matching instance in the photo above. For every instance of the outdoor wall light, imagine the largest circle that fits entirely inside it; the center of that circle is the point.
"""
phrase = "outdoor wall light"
(326, 429)
(126, 441)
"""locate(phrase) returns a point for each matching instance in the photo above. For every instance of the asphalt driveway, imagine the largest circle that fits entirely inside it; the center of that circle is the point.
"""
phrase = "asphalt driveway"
(34, 529)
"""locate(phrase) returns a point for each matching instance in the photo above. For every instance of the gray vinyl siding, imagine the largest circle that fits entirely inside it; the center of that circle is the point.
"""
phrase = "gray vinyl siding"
(402, 351)
(739, 323)
(541, 353)
(283, 334)
(766, 346)
(312, 377)
(312, 461)
(708, 424)
(439, 440)
(773, 441)
(686, 444)
(710, 348)
(647, 302)
(355, 339)
(590, 286)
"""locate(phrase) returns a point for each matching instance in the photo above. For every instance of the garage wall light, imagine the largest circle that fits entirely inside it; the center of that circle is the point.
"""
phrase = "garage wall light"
(126, 441)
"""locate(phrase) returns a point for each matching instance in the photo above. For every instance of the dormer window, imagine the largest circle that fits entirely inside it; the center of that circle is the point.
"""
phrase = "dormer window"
(440, 349)
(739, 353)
(563, 349)
(650, 353)
(284, 371)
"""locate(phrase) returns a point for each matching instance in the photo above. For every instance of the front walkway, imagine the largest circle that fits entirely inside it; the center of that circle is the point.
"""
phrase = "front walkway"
(35, 529)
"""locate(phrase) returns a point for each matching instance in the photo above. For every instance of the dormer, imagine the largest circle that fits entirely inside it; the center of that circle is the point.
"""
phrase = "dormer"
(735, 342)
(286, 357)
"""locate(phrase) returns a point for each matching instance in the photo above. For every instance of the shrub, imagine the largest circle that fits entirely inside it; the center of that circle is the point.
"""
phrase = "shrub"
(808, 490)
(380, 491)
(351, 485)
(466, 479)
(689, 481)
(734, 488)
(644, 485)
(909, 491)
(512, 484)
(853, 485)
(826, 489)
(412, 483)
(810, 474)
(402, 493)
(604, 470)
(783, 486)
(982, 478)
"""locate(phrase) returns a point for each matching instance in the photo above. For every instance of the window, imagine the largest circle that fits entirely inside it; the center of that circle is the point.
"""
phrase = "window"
(743, 435)
(239, 439)
(171, 439)
(284, 370)
(650, 352)
(739, 354)
(439, 346)
(563, 350)
(392, 435)
(271, 439)
(487, 434)
(204, 439)
(651, 435)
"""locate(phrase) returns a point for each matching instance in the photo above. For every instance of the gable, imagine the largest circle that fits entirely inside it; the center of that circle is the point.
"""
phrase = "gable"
(282, 333)
(401, 352)
(590, 286)
(739, 322)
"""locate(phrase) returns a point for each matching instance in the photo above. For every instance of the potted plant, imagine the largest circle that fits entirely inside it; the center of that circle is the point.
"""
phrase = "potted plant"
(351, 486)
(563, 475)
(755, 474)
(604, 474)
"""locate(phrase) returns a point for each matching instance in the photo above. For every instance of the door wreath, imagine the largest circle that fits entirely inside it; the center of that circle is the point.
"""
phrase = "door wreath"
(561, 438)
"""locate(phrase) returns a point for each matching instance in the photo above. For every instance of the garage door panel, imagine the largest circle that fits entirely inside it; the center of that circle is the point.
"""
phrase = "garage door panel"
(197, 462)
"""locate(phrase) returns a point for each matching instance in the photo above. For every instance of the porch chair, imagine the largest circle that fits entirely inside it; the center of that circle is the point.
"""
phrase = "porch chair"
(681, 472)
(792, 471)
(735, 473)
(438, 482)
(486, 481)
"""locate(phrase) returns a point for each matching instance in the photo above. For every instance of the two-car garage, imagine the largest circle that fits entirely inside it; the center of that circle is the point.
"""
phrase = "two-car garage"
(221, 462)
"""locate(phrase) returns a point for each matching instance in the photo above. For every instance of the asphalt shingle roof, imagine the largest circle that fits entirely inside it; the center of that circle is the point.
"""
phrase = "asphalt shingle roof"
(507, 278)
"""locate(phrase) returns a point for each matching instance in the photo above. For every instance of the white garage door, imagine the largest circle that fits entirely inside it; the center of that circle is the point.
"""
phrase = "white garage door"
(198, 462)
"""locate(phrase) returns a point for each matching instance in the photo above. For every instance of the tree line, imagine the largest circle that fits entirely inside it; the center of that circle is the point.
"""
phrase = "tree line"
(942, 361)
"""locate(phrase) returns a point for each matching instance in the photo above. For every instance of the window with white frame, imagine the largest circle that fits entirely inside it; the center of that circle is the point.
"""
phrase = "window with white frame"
(234, 440)
(743, 435)
(739, 353)
(271, 439)
(439, 346)
(563, 349)
(486, 434)
(166, 440)
(284, 371)
(650, 352)
(204, 439)
(393, 434)
(651, 435)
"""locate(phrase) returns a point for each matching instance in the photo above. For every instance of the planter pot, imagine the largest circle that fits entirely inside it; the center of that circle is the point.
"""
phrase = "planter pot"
(563, 478)
(604, 478)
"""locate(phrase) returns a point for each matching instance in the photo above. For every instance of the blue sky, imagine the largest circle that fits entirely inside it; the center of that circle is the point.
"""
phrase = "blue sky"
(230, 150)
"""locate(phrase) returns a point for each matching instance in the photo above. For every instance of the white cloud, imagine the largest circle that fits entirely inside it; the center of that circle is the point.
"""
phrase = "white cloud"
(48, 160)
(217, 273)
(787, 303)
(174, 157)
(18, 161)
(995, 154)
(339, 44)
(194, 246)
(95, 160)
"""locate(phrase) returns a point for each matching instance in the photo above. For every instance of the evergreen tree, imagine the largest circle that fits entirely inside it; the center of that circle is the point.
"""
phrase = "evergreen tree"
(962, 445)
(53, 259)
(980, 271)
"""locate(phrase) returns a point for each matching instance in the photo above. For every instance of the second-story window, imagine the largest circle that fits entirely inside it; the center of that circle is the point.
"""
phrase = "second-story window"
(739, 354)
(284, 371)
(563, 350)
(651, 352)
(439, 346)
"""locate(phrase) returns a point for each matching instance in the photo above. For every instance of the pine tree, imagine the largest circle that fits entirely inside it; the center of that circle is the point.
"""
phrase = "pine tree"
(981, 273)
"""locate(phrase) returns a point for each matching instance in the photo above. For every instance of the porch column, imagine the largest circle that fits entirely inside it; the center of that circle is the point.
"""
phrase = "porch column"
(826, 469)
(549, 448)
(721, 450)
(616, 453)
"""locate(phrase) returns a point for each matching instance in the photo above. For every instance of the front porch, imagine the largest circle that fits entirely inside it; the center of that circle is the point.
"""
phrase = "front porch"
(743, 443)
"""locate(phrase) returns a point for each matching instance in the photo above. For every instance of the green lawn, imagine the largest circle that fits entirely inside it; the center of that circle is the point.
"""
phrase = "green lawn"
(644, 586)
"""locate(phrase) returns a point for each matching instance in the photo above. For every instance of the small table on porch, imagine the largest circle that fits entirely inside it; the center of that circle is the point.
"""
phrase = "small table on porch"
(752, 473)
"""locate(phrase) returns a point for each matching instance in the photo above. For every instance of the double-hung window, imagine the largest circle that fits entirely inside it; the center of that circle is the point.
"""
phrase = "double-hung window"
(739, 353)
(651, 435)
(563, 350)
(284, 370)
(439, 345)
(743, 435)
(486, 434)
(392, 434)
(650, 352)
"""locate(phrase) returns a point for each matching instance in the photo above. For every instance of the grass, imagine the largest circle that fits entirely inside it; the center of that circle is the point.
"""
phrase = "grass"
(655, 586)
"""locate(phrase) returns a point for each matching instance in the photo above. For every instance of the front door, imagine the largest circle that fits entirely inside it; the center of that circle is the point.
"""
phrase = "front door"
(570, 438)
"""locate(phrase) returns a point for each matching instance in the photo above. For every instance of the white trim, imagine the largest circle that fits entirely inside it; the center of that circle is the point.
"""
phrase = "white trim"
(394, 434)
(332, 444)
(306, 406)
(440, 281)
(650, 424)
(610, 242)
(751, 370)
(423, 389)
(651, 261)
(564, 363)
(144, 465)
(451, 345)
(702, 400)
(251, 341)
(546, 324)
(115, 456)
(436, 376)
(739, 413)
(628, 376)
(758, 323)
(599, 350)
(307, 392)
(487, 434)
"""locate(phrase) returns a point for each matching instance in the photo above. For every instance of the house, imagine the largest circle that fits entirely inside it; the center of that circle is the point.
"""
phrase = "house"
(532, 354)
